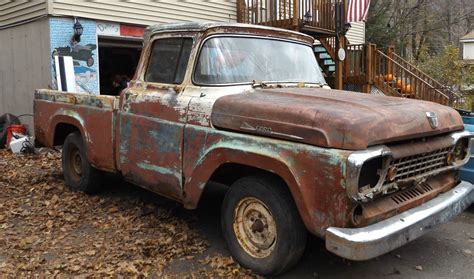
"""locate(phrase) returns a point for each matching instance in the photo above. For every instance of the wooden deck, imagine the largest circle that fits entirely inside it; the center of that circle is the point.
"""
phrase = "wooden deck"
(315, 17)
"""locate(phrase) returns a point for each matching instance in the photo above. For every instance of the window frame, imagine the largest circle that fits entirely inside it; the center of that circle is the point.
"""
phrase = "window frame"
(201, 45)
(150, 52)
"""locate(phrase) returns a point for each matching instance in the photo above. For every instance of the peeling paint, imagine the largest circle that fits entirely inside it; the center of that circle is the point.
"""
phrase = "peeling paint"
(166, 171)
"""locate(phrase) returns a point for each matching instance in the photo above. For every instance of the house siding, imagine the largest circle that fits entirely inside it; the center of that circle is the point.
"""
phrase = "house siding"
(24, 66)
(147, 13)
(13, 12)
(468, 50)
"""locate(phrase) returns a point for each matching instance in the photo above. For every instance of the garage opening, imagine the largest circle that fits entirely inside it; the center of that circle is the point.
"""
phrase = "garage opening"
(118, 60)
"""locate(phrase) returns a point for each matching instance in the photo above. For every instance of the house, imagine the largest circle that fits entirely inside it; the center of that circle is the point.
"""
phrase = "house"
(104, 40)
(467, 46)
(467, 49)
(32, 33)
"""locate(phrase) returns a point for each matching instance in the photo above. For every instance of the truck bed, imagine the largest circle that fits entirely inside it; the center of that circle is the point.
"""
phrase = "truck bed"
(58, 113)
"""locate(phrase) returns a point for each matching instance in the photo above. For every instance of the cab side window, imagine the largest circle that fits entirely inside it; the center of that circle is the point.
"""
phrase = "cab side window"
(168, 61)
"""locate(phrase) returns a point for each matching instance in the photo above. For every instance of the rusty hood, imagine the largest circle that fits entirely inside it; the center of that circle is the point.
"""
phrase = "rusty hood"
(332, 118)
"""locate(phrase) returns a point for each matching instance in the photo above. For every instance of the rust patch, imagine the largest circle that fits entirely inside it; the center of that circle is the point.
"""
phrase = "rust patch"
(411, 197)
(331, 118)
(95, 123)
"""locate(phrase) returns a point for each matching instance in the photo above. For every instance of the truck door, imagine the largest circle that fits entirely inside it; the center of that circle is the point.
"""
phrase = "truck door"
(152, 119)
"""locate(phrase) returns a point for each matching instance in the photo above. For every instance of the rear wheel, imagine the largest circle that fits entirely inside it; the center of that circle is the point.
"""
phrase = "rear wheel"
(79, 174)
(262, 226)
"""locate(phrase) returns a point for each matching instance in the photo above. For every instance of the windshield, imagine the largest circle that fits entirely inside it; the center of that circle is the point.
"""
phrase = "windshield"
(225, 60)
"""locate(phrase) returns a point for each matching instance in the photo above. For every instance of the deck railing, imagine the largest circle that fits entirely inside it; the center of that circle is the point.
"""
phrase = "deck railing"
(367, 65)
(356, 64)
(453, 96)
(290, 14)
(406, 81)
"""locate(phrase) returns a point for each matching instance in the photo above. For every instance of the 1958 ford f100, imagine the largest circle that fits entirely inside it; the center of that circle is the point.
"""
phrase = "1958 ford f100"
(248, 107)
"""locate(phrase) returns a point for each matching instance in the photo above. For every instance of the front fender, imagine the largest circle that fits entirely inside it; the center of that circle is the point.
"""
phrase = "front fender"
(218, 156)
(315, 176)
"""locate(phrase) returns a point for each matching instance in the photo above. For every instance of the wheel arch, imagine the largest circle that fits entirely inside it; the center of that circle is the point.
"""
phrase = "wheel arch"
(62, 126)
(220, 160)
(61, 131)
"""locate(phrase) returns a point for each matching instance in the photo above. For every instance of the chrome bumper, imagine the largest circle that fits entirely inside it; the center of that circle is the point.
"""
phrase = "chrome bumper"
(369, 242)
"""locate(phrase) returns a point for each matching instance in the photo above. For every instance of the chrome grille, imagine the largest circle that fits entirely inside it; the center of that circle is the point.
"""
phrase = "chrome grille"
(421, 163)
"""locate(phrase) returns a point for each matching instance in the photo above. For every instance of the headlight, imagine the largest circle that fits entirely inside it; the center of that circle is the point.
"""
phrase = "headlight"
(371, 173)
(367, 171)
(459, 152)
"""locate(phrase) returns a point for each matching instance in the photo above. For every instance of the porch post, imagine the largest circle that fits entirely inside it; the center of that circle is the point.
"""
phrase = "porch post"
(296, 11)
(340, 43)
(340, 11)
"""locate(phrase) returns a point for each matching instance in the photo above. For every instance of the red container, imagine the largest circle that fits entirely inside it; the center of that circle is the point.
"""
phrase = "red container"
(17, 129)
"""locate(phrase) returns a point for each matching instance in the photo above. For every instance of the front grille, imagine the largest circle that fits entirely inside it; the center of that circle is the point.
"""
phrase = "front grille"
(420, 164)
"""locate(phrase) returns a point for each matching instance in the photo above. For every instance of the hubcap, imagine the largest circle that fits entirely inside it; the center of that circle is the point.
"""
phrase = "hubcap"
(75, 163)
(255, 227)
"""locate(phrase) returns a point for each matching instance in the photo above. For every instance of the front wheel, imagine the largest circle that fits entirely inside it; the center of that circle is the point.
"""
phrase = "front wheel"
(261, 225)
(79, 174)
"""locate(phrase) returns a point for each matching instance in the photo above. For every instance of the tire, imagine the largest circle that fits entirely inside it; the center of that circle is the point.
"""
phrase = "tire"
(271, 236)
(79, 174)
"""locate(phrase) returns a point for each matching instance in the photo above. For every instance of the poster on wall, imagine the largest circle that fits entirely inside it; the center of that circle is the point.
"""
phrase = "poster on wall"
(65, 77)
(84, 53)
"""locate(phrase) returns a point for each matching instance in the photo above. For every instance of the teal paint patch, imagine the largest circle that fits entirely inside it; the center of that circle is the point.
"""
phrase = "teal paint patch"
(165, 171)
(166, 137)
(335, 158)
(125, 133)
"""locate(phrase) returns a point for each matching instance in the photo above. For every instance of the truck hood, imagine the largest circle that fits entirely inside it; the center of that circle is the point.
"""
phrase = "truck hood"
(332, 118)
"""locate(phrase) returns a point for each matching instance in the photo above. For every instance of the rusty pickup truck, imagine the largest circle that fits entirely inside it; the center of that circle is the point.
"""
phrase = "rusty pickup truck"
(248, 107)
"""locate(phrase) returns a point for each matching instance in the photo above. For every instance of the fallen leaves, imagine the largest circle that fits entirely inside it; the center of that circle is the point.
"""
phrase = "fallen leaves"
(225, 267)
(45, 229)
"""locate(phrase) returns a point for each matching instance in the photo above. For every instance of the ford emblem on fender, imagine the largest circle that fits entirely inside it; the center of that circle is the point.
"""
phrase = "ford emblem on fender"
(433, 119)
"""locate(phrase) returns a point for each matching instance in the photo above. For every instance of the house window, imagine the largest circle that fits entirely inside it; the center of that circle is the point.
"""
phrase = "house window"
(168, 61)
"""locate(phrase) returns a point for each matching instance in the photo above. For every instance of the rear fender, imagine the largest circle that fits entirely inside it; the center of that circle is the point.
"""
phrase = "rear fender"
(99, 144)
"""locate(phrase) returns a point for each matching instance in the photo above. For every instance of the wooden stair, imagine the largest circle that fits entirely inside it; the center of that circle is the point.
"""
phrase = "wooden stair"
(326, 63)
(388, 72)
(397, 77)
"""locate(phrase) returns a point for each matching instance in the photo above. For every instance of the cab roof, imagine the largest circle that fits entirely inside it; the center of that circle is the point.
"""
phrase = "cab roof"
(204, 26)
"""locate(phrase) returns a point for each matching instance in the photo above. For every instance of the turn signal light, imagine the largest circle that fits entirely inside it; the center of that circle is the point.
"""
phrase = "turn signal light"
(392, 173)
(450, 158)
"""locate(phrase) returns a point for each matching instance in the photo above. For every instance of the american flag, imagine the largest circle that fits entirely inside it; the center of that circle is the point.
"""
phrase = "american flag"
(357, 10)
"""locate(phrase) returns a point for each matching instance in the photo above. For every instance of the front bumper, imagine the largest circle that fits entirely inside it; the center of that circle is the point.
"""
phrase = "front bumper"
(369, 242)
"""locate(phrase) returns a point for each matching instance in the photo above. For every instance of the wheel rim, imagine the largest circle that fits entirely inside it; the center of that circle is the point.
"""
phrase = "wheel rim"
(255, 227)
(75, 164)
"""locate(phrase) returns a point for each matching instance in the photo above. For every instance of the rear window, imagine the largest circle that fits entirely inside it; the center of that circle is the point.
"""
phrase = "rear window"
(168, 61)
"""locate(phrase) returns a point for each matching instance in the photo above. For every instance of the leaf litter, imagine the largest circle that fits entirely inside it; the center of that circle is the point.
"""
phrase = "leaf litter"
(46, 229)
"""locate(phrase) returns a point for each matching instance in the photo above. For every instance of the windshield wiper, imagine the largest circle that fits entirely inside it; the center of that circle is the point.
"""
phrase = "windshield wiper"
(256, 83)
(262, 84)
